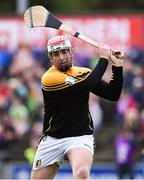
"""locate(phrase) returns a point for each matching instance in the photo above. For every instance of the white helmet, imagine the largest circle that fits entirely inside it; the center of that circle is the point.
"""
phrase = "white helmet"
(57, 43)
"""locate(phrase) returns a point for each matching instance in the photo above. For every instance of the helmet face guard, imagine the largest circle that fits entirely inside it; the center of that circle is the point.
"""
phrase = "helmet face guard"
(58, 43)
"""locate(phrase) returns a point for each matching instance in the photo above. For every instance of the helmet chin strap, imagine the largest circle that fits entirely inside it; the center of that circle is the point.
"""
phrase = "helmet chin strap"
(65, 67)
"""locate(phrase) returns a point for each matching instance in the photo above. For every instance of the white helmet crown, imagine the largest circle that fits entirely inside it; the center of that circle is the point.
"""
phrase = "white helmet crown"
(58, 43)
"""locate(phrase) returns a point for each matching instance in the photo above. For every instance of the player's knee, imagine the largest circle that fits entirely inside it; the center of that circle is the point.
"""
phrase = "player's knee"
(82, 173)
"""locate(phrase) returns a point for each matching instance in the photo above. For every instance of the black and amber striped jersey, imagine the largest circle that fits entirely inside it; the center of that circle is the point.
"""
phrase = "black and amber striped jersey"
(66, 95)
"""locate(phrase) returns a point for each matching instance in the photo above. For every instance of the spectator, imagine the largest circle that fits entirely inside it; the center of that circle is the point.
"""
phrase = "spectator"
(5, 55)
(130, 119)
(22, 60)
(124, 147)
(8, 135)
(126, 101)
(5, 93)
(19, 114)
(29, 152)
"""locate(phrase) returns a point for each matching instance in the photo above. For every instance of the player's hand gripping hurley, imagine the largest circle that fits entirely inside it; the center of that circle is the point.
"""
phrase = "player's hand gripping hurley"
(39, 16)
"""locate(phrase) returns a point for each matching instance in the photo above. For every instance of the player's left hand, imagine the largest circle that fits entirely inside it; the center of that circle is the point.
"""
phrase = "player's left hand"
(104, 51)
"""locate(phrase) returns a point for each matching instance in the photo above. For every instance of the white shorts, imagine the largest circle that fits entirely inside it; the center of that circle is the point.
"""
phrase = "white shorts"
(52, 150)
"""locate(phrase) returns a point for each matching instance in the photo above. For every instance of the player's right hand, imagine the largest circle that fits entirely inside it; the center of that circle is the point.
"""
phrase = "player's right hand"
(115, 60)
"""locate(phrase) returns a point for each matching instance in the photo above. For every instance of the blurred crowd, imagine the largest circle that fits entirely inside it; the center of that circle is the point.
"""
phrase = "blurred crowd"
(21, 103)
